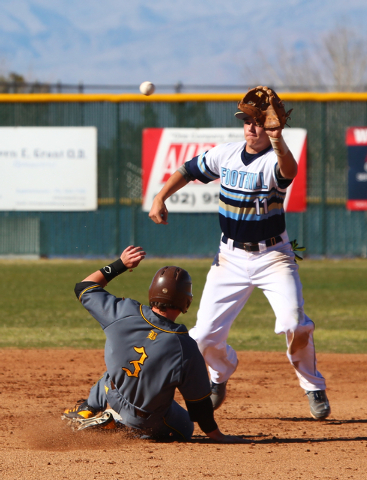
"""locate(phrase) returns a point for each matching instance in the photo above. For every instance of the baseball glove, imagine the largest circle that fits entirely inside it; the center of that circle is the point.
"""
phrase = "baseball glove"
(265, 107)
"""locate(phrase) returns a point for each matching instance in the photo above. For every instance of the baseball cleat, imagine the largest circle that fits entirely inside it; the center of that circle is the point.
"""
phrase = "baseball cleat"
(319, 404)
(81, 410)
(218, 393)
(102, 421)
(105, 421)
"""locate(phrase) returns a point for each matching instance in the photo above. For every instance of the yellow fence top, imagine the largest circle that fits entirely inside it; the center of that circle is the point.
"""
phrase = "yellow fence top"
(174, 97)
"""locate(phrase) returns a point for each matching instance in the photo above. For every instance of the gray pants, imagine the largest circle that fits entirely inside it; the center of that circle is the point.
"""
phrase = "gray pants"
(175, 424)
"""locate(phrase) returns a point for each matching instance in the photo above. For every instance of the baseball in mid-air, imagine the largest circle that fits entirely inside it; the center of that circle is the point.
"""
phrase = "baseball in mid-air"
(147, 88)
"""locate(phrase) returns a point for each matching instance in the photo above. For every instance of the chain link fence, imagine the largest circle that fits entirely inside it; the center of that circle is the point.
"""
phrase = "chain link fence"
(20, 85)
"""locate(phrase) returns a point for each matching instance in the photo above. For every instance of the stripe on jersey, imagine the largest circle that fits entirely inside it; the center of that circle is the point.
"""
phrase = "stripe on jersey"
(241, 197)
(241, 206)
(249, 213)
(198, 169)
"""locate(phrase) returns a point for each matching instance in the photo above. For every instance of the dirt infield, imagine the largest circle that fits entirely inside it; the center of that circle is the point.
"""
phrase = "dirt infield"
(264, 405)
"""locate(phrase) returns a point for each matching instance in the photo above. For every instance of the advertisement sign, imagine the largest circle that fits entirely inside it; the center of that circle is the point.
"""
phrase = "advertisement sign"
(48, 168)
(356, 140)
(166, 149)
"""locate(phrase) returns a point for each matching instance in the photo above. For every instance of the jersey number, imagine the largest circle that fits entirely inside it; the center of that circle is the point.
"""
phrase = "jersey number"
(257, 202)
(136, 363)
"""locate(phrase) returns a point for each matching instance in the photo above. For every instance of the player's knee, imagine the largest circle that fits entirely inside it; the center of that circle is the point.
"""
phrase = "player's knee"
(204, 343)
(199, 336)
(290, 319)
(299, 338)
(307, 321)
(207, 340)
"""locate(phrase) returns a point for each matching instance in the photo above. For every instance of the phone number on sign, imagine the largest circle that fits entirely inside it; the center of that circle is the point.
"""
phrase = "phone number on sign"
(191, 199)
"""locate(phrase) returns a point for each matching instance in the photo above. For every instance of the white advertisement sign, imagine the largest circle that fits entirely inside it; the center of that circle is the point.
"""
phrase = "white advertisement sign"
(48, 168)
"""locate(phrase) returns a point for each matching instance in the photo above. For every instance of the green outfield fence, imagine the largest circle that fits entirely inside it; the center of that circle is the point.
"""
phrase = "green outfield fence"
(326, 228)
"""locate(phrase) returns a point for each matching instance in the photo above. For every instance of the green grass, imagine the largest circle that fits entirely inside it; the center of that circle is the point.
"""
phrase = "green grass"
(39, 309)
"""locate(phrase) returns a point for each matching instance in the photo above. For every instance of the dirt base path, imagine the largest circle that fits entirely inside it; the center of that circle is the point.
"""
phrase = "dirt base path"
(264, 404)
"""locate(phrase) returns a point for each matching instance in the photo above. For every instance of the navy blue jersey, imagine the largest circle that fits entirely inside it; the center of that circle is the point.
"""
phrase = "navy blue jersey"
(251, 193)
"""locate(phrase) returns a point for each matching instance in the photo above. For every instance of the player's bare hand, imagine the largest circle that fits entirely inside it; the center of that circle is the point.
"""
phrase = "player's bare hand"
(274, 132)
(132, 256)
(159, 213)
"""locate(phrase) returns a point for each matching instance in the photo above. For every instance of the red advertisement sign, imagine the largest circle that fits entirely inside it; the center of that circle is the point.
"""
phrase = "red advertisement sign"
(166, 149)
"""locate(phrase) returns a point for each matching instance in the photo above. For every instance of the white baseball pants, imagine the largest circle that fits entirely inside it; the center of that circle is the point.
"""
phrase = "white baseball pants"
(231, 279)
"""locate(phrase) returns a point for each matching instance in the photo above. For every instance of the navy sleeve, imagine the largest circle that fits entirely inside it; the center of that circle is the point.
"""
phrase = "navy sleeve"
(198, 169)
(81, 286)
(202, 412)
(282, 182)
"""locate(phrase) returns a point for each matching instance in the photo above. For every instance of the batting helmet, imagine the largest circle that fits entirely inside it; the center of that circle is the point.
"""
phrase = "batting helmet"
(171, 287)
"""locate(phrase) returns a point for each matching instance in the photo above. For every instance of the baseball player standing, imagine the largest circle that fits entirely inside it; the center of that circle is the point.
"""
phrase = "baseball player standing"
(148, 356)
(254, 250)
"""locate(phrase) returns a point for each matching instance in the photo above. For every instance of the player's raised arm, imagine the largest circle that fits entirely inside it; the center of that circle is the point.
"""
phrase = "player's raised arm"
(266, 109)
(159, 213)
(287, 164)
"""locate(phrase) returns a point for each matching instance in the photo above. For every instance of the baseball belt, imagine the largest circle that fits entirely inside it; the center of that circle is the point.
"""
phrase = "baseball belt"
(253, 247)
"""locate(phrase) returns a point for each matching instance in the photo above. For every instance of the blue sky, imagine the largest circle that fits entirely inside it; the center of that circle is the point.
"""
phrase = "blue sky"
(127, 42)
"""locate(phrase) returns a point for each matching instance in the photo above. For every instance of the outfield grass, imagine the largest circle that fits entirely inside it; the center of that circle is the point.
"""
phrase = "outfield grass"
(39, 309)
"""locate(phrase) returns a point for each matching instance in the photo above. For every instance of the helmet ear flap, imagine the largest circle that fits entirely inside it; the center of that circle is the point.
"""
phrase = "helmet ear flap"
(171, 287)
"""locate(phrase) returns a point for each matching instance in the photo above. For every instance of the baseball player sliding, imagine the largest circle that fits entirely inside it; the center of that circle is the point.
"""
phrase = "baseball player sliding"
(147, 356)
(254, 250)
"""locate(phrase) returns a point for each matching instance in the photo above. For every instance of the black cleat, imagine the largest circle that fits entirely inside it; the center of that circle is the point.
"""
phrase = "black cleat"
(319, 404)
(218, 394)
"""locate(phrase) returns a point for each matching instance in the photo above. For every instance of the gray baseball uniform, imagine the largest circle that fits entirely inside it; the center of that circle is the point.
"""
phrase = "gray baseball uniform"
(147, 358)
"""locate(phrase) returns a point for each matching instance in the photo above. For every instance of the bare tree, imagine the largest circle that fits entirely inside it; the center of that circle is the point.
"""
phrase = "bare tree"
(15, 83)
(338, 61)
(345, 59)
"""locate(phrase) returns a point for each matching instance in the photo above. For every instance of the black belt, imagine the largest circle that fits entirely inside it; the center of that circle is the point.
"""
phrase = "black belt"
(254, 247)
